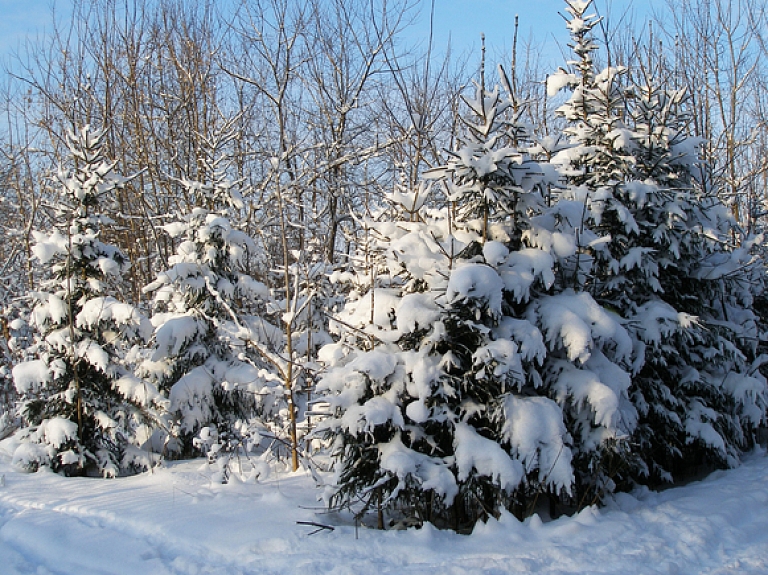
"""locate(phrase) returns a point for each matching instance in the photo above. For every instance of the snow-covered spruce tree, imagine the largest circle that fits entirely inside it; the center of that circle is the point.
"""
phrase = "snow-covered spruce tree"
(202, 355)
(698, 390)
(632, 166)
(598, 158)
(588, 367)
(80, 406)
(436, 403)
(588, 353)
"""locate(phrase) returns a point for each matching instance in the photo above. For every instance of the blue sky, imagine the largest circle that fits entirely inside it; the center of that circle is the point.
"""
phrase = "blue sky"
(460, 20)
(19, 19)
(539, 20)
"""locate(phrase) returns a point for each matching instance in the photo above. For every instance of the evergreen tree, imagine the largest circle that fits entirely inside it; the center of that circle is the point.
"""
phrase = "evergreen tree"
(589, 352)
(597, 160)
(656, 259)
(434, 388)
(202, 356)
(699, 391)
(81, 407)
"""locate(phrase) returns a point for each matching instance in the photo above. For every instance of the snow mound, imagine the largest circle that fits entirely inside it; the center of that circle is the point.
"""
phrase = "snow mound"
(176, 519)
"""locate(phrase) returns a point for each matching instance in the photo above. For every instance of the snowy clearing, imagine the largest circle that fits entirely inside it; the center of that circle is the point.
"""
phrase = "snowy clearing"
(176, 520)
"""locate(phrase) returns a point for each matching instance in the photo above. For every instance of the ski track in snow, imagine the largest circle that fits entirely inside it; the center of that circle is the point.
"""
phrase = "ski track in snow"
(175, 521)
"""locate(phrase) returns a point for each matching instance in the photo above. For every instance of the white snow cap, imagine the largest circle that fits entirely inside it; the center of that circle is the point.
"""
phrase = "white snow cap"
(30, 376)
(473, 281)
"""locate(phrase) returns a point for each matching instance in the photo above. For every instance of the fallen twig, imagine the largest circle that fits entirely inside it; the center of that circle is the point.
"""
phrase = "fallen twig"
(320, 526)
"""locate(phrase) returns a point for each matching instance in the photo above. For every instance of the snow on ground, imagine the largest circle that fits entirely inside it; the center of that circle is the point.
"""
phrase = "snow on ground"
(175, 520)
